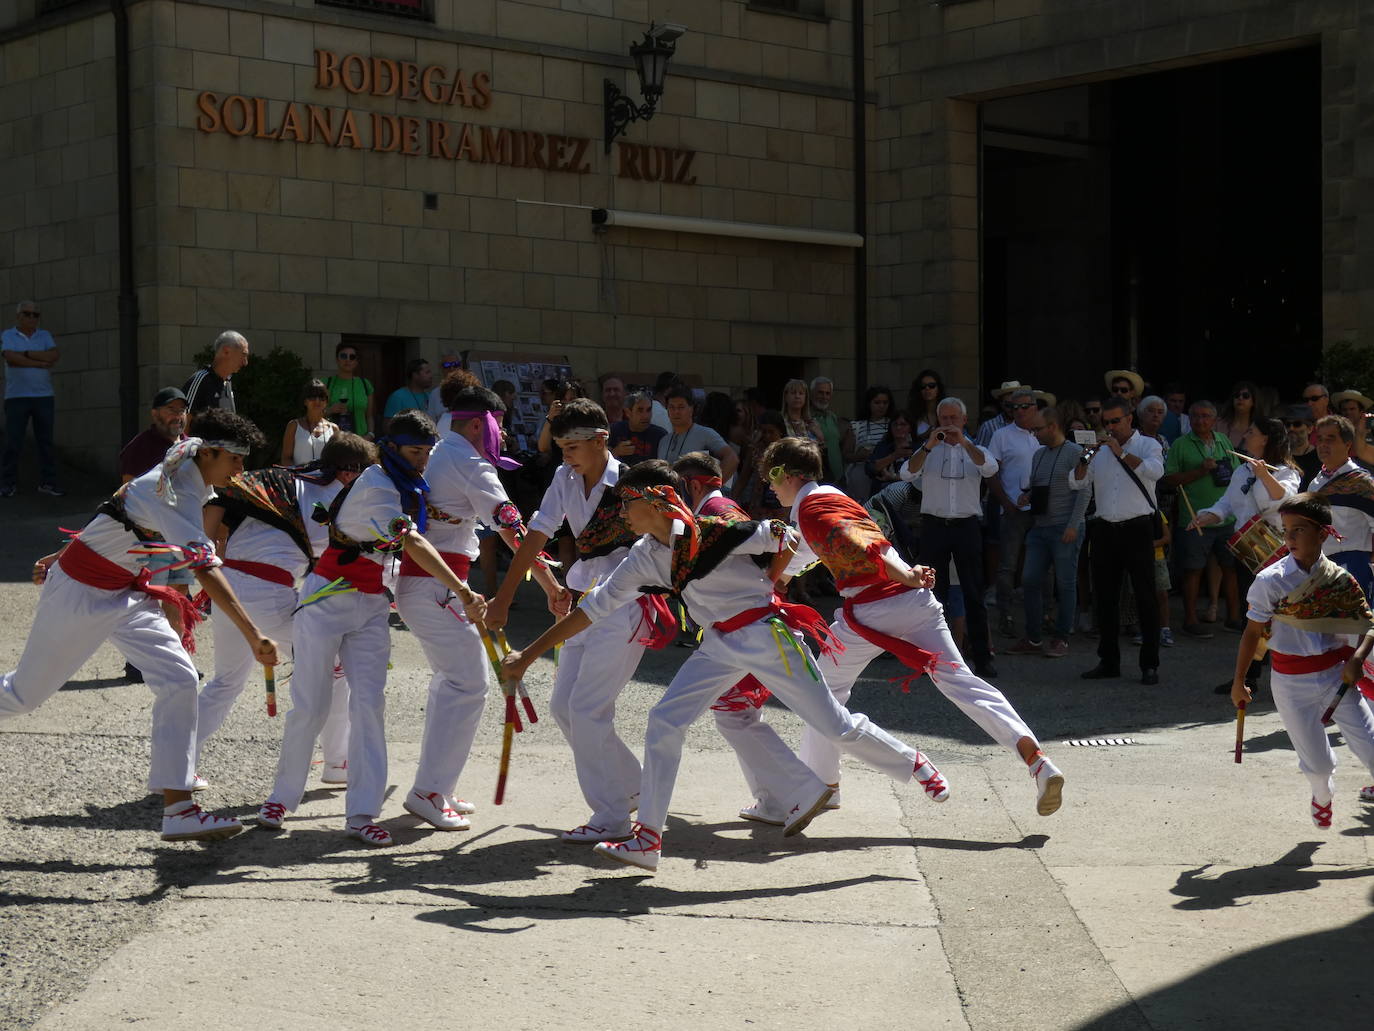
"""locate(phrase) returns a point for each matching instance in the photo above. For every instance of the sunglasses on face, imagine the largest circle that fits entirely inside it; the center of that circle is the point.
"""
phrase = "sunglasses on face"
(1093, 411)
(1113, 422)
(1241, 395)
(1296, 425)
(449, 365)
(348, 356)
(930, 386)
(31, 314)
(1121, 390)
(1021, 406)
(1314, 397)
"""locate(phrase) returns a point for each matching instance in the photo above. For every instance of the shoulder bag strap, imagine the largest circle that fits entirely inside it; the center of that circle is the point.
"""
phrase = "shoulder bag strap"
(1136, 480)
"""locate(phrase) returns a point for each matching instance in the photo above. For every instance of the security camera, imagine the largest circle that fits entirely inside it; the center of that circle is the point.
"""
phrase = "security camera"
(668, 32)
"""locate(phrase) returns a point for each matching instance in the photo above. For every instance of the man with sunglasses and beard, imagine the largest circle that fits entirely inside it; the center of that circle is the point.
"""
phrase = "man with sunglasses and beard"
(1122, 472)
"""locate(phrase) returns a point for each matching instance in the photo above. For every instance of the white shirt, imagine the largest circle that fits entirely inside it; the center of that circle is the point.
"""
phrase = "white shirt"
(463, 484)
(1350, 523)
(1272, 583)
(566, 498)
(949, 480)
(1118, 498)
(368, 510)
(1246, 497)
(256, 541)
(734, 586)
(179, 524)
(1013, 447)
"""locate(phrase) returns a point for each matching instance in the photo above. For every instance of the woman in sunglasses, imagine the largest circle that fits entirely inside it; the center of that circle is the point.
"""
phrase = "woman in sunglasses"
(350, 395)
(927, 391)
(1238, 414)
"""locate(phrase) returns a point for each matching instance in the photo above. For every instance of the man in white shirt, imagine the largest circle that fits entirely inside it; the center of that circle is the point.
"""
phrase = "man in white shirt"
(29, 354)
(951, 468)
(1012, 446)
(1121, 538)
(1349, 490)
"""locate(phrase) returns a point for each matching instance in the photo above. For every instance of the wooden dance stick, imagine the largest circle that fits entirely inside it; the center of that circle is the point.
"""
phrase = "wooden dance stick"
(507, 740)
(271, 679)
(1192, 512)
(1327, 716)
(530, 714)
(507, 690)
(1240, 728)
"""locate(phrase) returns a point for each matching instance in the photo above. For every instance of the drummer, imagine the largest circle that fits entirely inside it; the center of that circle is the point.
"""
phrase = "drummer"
(1268, 475)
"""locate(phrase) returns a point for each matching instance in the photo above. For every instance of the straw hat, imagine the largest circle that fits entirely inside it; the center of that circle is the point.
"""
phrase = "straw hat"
(1137, 384)
(1008, 387)
(1048, 399)
(1350, 395)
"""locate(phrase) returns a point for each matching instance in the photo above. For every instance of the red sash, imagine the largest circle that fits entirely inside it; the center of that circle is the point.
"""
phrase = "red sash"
(917, 659)
(87, 566)
(363, 575)
(802, 618)
(460, 564)
(747, 694)
(656, 621)
(272, 574)
(1296, 665)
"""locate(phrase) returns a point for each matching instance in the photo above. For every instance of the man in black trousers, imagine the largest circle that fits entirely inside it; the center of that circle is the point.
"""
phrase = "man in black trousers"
(1122, 472)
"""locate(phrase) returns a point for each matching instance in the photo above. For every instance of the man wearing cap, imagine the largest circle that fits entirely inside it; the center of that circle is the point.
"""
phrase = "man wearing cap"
(1124, 383)
(1354, 406)
(149, 447)
(1299, 421)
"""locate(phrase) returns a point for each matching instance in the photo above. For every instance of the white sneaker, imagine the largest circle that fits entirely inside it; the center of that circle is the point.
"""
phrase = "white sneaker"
(834, 802)
(463, 806)
(334, 775)
(1367, 793)
(590, 834)
(929, 778)
(369, 833)
(188, 823)
(643, 850)
(801, 814)
(1049, 786)
(434, 809)
(198, 783)
(271, 815)
(762, 812)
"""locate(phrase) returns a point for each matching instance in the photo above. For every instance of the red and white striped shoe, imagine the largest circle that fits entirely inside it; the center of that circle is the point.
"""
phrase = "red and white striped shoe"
(189, 823)
(1049, 786)
(1367, 793)
(463, 806)
(643, 850)
(929, 778)
(799, 817)
(369, 834)
(198, 783)
(271, 815)
(434, 809)
(591, 834)
(1321, 814)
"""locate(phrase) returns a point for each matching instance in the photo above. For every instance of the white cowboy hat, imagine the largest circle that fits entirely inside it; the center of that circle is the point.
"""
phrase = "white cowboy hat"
(1137, 384)
(1049, 399)
(1009, 386)
(1350, 395)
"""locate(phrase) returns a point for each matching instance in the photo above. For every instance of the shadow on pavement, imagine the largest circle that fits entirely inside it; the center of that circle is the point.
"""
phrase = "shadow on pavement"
(1290, 872)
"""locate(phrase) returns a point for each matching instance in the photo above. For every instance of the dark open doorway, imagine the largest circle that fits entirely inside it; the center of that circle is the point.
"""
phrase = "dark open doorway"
(1169, 221)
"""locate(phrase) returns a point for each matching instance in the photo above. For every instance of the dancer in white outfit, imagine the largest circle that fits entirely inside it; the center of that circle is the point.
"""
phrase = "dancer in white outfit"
(1311, 606)
(711, 565)
(463, 489)
(344, 613)
(771, 769)
(594, 667)
(897, 616)
(95, 589)
(272, 541)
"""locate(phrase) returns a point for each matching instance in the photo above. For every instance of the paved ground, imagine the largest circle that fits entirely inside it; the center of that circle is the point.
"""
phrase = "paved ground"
(1174, 890)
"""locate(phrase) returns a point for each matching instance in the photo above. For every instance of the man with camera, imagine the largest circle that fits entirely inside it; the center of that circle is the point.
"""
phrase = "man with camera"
(1200, 465)
(1122, 471)
(951, 468)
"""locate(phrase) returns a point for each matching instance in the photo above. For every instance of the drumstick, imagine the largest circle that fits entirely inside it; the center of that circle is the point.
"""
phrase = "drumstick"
(271, 679)
(1183, 493)
(1240, 727)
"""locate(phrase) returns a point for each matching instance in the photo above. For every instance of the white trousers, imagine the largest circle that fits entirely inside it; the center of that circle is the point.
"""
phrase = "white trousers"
(719, 662)
(458, 689)
(593, 668)
(71, 622)
(918, 618)
(270, 606)
(772, 770)
(1301, 699)
(354, 627)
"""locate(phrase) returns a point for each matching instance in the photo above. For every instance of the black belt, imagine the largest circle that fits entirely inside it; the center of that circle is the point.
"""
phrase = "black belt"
(945, 521)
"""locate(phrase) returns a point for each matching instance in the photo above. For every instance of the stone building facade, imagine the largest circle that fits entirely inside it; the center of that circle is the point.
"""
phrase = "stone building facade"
(307, 171)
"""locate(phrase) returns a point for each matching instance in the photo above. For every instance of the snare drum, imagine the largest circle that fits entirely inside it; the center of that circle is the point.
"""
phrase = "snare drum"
(1257, 544)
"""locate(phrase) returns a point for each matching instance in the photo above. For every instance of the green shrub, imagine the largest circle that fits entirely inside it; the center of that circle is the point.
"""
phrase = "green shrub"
(1347, 365)
(268, 391)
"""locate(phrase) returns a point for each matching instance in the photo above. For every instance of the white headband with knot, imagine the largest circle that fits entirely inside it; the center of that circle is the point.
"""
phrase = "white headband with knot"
(583, 433)
(182, 450)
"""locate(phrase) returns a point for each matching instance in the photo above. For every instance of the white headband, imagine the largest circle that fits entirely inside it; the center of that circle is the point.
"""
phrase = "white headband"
(583, 433)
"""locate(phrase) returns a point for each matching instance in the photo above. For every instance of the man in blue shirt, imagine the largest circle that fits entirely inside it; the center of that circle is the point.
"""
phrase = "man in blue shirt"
(30, 353)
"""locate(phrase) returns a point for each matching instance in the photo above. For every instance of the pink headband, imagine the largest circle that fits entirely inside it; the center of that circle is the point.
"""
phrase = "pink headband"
(491, 437)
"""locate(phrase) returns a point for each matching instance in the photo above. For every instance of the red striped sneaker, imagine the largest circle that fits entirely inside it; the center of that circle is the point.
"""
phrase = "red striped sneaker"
(271, 814)
(369, 833)
(643, 850)
(189, 823)
(1321, 814)
(929, 778)
(1049, 786)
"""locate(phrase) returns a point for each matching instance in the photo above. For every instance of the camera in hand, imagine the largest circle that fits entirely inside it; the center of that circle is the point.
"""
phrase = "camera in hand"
(940, 435)
(1088, 453)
